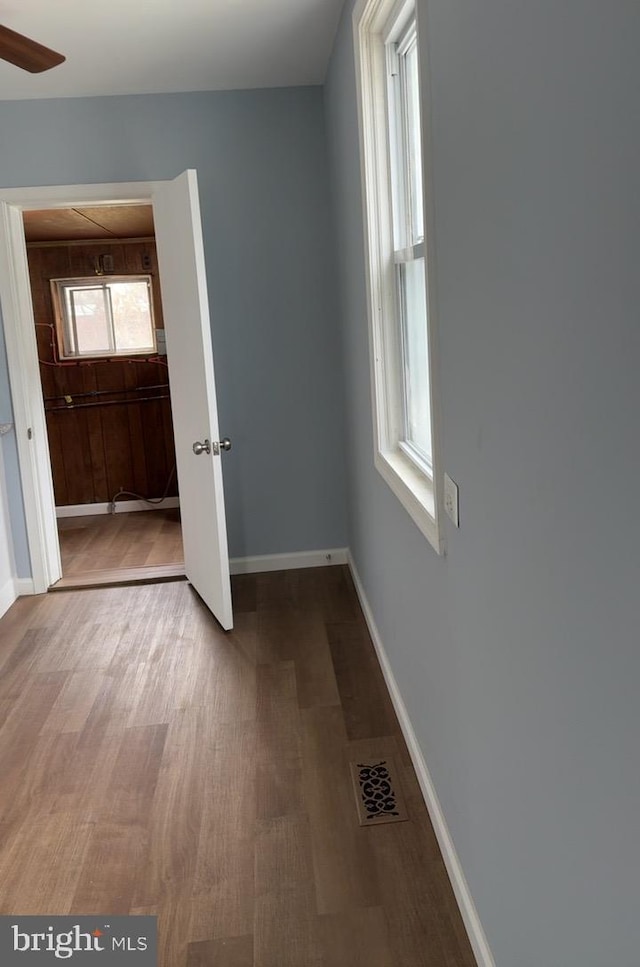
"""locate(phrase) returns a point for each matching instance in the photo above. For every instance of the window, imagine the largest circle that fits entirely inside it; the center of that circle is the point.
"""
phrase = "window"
(397, 247)
(104, 316)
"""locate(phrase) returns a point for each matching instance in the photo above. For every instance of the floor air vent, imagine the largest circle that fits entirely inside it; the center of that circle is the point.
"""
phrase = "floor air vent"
(378, 795)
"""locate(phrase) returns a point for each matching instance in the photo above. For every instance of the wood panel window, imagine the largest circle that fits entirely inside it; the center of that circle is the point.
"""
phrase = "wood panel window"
(101, 317)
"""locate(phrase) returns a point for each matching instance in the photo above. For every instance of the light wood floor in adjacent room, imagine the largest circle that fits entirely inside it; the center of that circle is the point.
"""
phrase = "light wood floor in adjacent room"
(152, 764)
(93, 549)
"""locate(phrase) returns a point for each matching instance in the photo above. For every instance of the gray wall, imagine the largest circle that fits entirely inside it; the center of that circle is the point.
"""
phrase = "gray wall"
(15, 531)
(260, 157)
(7, 565)
(517, 654)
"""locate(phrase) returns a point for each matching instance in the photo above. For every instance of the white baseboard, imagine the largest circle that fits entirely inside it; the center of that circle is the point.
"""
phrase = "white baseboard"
(463, 896)
(237, 565)
(23, 586)
(287, 562)
(122, 507)
(8, 595)
(13, 589)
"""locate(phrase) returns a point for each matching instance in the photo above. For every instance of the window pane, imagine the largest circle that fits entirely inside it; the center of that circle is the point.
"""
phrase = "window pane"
(416, 357)
(132, 320)
(414, 160)
(88, 309)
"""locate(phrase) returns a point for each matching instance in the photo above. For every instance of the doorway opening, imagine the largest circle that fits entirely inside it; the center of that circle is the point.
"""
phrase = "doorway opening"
(99, 328)
(181, 257)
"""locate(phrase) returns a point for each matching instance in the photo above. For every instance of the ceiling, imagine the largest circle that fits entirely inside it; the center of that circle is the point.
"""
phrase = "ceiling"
(123, 47)
(74, 224)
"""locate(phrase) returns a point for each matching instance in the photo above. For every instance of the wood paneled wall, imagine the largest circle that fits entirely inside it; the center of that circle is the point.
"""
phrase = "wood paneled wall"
(98, 450)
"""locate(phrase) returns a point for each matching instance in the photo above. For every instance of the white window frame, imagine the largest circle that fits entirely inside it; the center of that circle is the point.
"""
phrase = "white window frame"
(418, 487)
(64, 323)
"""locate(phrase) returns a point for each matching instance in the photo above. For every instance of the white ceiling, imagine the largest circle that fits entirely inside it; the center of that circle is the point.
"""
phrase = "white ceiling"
(157, 46)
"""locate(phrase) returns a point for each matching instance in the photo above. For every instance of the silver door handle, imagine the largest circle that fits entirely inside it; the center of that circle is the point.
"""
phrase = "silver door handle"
(215, 447)
(219, 445)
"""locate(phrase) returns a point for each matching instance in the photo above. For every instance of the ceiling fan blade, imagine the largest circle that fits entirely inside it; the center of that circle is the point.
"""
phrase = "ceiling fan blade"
(26, 53)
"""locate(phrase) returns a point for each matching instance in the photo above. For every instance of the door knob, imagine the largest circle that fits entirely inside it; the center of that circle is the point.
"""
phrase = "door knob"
(221, 445)
(199, 448)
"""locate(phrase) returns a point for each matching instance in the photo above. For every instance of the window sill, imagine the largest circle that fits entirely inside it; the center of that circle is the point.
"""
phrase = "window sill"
(415, 492)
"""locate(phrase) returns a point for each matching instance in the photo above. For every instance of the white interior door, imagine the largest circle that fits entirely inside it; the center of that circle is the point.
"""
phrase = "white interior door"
(176, 212)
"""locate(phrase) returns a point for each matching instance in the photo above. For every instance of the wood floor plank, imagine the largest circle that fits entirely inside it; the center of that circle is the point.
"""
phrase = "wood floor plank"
(278, 717)
(284, 861)
(286, 932)
(105, 542)
(143, 636)
(130, 792)
(345, 872)
(365, 700)
(175, 816)
(117, 575)
(226, 910)
(220, 669)
(225, 848)
(285, 925)
(73, 705)
(155, 684)
(37, 787)
(422, 917)
(19, 737)
(231, 952)
(151, 763)
(80, 786)
(174, 916)
(17, 661)
(118, 849)
(358, 937)
(114, 864)
(74, 643)
(244, 593)
(301, 637)
(328, 588)
(113, 704)
(40, 866)
(6, 705)
(279, 788)
(325, 589)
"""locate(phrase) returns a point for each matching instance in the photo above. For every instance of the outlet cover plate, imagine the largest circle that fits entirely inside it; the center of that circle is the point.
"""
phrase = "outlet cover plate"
(451, 500)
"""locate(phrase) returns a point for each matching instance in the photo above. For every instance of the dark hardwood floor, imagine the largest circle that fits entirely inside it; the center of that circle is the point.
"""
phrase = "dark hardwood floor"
(151, 763)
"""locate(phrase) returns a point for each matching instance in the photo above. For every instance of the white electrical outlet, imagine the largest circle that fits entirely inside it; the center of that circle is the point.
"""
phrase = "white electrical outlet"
(161, 343)
(451, 499)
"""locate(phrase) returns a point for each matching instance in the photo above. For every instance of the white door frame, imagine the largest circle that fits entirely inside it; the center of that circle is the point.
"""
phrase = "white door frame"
(22, 356)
